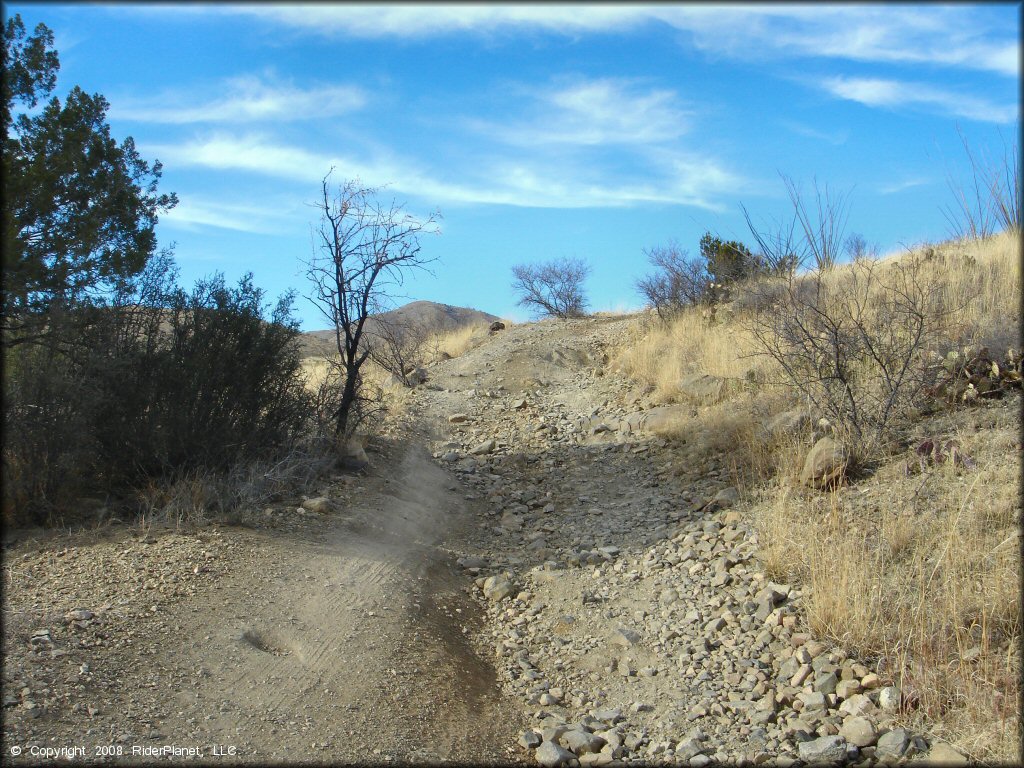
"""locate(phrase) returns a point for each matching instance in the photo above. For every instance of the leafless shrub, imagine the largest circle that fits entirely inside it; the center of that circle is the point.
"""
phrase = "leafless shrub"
(854, 343)
(243, 489)
(812, 234)
(554, 288)
(681, 281)
(990, 200)
(399, 347)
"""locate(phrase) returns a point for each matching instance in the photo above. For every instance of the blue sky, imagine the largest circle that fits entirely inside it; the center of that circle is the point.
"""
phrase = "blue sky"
(540, 131)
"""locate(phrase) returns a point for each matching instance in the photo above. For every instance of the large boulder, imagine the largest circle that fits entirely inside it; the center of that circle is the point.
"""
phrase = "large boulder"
(551, 755)
(702, 388)
(825, 463)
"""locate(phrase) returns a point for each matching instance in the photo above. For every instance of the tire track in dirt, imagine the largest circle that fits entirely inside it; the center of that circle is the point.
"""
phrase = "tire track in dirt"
(359, 652)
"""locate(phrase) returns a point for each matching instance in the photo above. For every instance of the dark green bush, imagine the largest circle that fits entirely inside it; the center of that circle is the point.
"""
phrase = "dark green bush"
(151, 382)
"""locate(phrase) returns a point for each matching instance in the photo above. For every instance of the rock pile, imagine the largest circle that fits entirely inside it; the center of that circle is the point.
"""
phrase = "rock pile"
(631, 614)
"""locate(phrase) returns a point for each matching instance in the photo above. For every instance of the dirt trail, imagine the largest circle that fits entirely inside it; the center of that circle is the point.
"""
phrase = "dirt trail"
(368, 627)
(343, 641)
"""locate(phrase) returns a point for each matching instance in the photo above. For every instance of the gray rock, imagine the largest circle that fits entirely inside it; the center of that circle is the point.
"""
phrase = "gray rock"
(319, 505)
(889, 698)
(825, 463)
(942, 753)
(530, 739)
(487, 446)
(458, 418)
(625, 637)
(551, 755)
(857, 704)
(892, 744)
(724, 499)
(668, 596)
(826, 683)
(813, 701)
(825, 749)
(688, 748)
(701, 388)
(654, 419)
(859, 731)
(497, 588)
(582, 742)
(610, 716)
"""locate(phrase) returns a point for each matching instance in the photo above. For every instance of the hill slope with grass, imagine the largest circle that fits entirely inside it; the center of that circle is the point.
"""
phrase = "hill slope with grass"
(428, 316)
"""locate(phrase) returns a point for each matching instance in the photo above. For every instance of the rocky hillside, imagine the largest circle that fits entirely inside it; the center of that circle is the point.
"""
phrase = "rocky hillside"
(629, 610)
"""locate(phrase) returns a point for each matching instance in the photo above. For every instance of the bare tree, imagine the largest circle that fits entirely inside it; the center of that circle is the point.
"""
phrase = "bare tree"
(362, 250)
(681, 281)
(554, 288)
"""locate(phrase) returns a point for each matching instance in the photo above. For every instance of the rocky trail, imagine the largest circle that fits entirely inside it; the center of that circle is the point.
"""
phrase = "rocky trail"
(542, 581)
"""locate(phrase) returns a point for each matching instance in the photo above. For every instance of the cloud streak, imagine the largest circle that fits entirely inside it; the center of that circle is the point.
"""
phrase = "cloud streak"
(939, 35)
(681, 180)
(896, 94)
(593, 113)
(246, 99)
(192, 212)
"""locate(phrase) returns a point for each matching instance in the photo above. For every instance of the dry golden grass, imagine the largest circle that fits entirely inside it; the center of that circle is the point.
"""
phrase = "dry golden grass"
(980, 280)
(456, 343)
(659, 354)
(922, 571)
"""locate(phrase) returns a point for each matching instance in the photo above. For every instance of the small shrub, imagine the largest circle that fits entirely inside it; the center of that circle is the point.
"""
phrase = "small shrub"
(680, 281)
(854, 343)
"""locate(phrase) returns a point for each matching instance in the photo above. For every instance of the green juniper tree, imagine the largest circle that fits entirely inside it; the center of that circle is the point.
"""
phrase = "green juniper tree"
(79, 209)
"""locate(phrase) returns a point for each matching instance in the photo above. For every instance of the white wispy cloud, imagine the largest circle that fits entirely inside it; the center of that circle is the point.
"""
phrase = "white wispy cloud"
(939, 35)
(192, 212)
(244, 99)
(946, 35)
(680, 179)
(832, 137)
(591, 113)
(901, 186)
(896, 94)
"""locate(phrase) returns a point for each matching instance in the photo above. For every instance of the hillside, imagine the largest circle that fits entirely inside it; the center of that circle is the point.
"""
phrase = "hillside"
(583, 540)
(427, 315)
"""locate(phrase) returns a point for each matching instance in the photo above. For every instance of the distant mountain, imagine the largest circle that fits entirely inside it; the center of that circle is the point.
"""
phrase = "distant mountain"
(421, 314)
